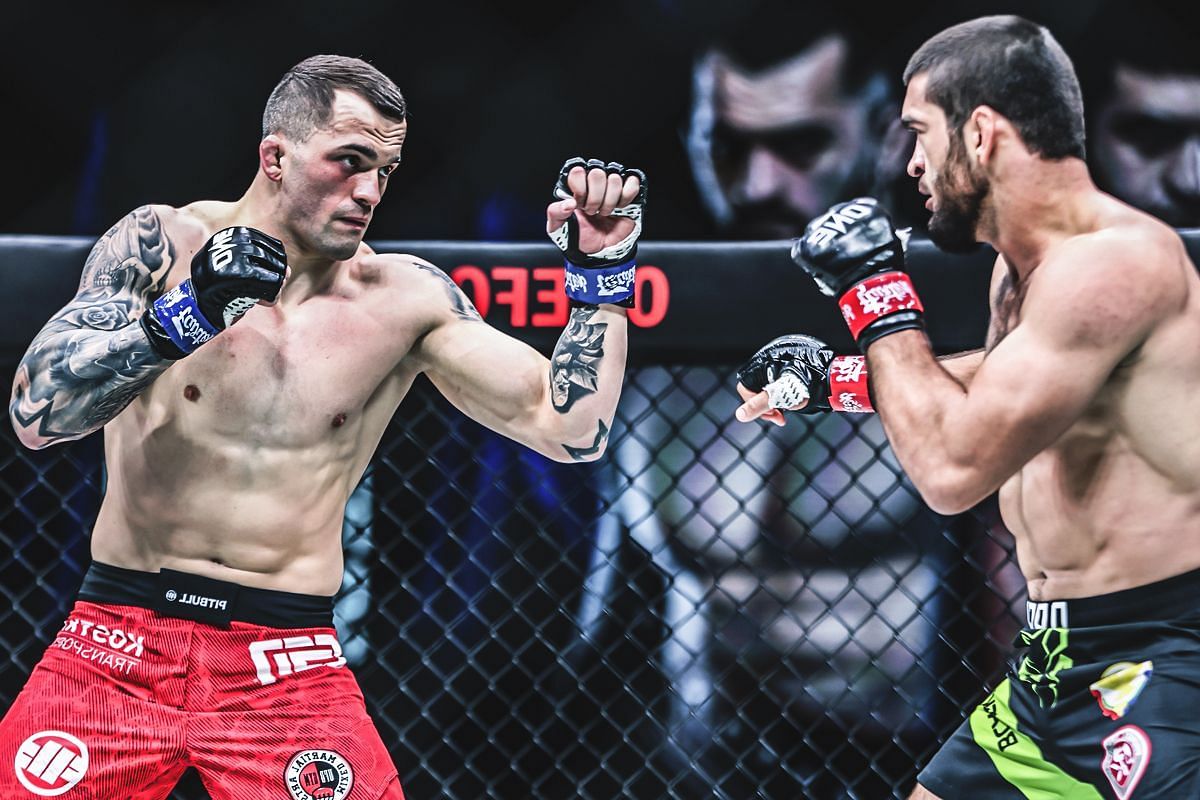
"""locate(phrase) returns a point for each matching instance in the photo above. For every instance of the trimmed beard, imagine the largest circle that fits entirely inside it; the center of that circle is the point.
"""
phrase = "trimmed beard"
(962, 192)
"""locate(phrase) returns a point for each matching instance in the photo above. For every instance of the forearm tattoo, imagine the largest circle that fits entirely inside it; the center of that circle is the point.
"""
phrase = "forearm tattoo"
(581, 453)
(575, 365)
(462, 307)
(92, 359)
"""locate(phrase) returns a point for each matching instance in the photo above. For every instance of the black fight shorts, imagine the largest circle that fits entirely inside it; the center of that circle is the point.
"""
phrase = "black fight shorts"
(1102, 701)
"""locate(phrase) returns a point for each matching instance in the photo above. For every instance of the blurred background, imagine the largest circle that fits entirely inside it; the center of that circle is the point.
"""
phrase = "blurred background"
(112, 105)
(714, 610)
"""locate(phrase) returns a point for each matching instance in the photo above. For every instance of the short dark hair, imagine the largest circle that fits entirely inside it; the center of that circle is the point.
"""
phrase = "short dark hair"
(1016, 67)
(302, 101)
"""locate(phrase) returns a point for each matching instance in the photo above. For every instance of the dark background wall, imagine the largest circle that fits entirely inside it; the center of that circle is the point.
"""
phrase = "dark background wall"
(111, 105)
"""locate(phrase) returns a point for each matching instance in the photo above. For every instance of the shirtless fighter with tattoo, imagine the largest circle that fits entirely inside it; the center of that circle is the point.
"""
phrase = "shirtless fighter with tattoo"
(244, 359)
(1076, 412)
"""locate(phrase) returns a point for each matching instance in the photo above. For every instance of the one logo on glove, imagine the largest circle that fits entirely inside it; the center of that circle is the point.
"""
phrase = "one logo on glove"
(318, 775)
(50, 763)
(836, 223)
(221, 252)
(1126, 756)
(1120, 685)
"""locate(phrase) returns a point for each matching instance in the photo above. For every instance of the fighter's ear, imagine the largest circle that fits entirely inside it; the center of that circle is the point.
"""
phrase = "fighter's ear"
(980, 133)
(270, 157)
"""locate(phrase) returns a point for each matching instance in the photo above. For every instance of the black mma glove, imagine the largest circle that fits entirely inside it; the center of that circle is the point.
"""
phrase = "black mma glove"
(235, 269)
(792, 368)
(853, 253)
(606, 276)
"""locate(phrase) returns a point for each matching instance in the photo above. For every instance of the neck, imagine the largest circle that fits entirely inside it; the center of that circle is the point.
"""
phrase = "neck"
(260, 207)
(1034, 204)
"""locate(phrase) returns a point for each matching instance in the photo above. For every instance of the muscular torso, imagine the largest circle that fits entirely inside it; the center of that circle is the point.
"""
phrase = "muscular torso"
(1115, 501)
(238, 460)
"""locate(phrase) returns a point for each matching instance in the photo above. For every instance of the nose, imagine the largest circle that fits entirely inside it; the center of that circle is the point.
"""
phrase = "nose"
(762, 179)
(916, 162)
(367, 191)
(1182, 173)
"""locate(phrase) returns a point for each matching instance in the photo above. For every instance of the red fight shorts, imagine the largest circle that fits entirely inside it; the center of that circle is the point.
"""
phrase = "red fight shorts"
(153, 673)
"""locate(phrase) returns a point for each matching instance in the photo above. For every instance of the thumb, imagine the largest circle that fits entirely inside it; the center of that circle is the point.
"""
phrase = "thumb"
(753, 408)
(558, 213)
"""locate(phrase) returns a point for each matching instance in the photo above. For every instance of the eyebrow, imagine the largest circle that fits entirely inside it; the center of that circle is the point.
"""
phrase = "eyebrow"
(368, 152)
(909, 122)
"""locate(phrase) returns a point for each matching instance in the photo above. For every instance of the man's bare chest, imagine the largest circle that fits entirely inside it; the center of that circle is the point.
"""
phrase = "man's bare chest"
(285, 373)
(1005, 312)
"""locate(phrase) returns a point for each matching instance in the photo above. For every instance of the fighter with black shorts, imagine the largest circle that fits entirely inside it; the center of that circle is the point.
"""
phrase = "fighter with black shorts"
(203, 633)
(1076, 412)
(1101, 688)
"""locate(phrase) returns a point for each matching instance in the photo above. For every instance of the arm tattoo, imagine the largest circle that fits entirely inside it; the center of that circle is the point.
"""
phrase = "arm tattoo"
(91, 359)
(574, 367)
(581, 453)
(463, 308)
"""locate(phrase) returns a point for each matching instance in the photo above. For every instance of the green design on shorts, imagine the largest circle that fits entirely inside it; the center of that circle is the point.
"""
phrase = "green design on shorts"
(1039, 671)
(1017, 758)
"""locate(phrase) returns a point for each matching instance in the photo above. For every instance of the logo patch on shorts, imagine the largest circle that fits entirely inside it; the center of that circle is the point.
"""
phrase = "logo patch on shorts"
(1126, 756)
(318, 775)
(49, 763)
(1119, 685)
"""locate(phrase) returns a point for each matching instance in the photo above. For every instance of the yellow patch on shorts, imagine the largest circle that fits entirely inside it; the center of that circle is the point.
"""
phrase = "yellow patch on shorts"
(1119, 685)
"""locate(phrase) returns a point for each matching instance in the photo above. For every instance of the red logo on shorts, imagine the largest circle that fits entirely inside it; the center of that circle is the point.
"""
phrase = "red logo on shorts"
(49, 763)
(1126, 756)
(318, 775)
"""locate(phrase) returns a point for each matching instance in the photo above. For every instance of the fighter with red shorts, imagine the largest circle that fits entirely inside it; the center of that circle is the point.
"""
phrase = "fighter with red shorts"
(203, 633)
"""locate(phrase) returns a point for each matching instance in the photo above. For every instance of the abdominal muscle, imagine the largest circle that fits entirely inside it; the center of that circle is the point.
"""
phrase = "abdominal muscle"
(1124, 526)
(193, 499)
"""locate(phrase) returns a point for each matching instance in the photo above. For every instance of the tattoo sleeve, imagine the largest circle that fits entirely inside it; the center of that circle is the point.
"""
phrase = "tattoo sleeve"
(92, 359)
(575, 365)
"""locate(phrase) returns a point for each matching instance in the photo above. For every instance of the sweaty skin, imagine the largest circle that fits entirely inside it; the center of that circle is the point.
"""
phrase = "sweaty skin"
(1078, 411)
(236, 462)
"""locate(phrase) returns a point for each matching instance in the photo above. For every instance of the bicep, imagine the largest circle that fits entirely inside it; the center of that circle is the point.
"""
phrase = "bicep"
(1045, 373)
(488, 375)
(90, 360)
(1028, 390)
(124, 270)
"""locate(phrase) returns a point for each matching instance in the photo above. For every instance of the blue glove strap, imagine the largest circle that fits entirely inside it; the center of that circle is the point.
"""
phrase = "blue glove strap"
(595, 285)
(180, 316)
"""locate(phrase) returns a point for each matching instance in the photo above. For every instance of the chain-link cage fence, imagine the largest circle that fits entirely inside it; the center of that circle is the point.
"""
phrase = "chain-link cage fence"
(713, 609)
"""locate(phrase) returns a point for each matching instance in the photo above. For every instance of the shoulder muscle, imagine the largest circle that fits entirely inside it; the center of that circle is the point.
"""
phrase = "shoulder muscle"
(1100, 296)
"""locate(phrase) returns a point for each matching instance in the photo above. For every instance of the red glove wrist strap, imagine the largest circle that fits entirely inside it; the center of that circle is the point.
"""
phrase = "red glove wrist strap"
(848, 385)
(878, 296)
